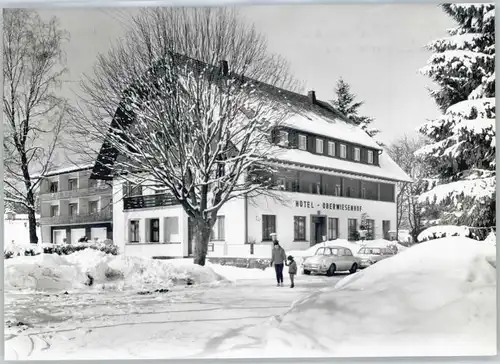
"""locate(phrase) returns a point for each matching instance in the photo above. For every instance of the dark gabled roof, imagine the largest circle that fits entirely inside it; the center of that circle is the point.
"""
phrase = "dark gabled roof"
(108, 154)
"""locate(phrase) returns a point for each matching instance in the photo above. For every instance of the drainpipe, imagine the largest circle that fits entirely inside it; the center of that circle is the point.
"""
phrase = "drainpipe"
(246, 218)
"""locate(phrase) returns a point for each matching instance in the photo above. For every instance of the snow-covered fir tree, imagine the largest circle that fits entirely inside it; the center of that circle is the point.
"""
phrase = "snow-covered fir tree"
(345, 101)
(462, 152)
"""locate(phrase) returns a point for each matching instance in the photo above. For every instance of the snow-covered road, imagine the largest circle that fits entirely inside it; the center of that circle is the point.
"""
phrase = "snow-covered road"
(186, 322)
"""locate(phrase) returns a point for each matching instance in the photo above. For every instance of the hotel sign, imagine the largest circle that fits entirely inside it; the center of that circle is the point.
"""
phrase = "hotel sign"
(327, 206)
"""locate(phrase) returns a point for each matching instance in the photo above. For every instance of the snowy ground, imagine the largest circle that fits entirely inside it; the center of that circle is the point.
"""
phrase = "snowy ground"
(194, 321)
(436, 298)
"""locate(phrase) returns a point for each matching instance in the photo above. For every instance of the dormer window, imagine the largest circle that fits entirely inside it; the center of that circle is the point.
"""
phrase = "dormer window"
(343, 151)
(331, 149)
(302, 142)
(370, 157)
(283, 141)
(319, 146)
(357, 154)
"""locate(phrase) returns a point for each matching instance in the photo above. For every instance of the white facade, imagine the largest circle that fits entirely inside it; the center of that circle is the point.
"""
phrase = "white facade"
(243, 223)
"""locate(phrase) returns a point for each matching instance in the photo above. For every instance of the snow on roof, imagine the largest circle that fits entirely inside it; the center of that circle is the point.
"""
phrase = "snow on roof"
(388, 169)
(68, 169)
(330, 127)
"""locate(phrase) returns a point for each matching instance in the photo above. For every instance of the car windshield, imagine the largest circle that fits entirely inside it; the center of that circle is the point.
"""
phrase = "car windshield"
(332, 251)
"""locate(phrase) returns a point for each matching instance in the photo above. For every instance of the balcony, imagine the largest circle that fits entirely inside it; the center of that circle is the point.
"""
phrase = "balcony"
(81, 192)
(102, 216)
(148, 201)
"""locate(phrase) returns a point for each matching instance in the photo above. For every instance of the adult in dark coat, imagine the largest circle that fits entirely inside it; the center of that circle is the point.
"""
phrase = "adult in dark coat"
(278, 258)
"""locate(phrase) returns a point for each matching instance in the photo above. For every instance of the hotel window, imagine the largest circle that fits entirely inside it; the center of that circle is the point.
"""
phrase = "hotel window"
(283, 138)
(93, 207)
(386, 227)
(350, 192)
(333, 228)
(331, 149)
(54, 187)
(73, 209)
(134, 231)
(352, 229)
(319, 146)
(154, 230)
(218, 231)
(370, 229)
(343, 151)
(302, 142)
(370, 157)
(317, 188)
(363, 193)
(337, 190)
(54, 210)
(357, 154)
(268, 227)
(299, 230)
(72, 184)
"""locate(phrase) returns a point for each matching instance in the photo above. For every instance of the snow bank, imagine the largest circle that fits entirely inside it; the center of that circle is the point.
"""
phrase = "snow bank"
(71, 272)
(491, 238)
(437, 298)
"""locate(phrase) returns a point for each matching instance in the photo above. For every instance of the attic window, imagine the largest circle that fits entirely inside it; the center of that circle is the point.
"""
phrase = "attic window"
(319, 146)
(343, 151)
(357, 154)
(331, 149)
(302, 142)
(370, 157)
(283, 141)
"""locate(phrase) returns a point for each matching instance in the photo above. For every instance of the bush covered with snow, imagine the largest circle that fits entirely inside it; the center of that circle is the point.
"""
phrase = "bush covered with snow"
(436, 298)
(15, 249)
(86, 267)
(443, 231)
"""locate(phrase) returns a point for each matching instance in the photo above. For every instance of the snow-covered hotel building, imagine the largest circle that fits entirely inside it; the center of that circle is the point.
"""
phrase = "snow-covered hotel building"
(331, 174)
(74, 206)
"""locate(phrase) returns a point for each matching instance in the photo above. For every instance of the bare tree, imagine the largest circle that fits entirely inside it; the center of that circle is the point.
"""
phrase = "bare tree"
(182, 119)
(32, 68)
(402, 151)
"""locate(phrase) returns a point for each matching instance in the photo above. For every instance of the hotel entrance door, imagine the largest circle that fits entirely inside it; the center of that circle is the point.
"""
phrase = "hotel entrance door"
(318, 229)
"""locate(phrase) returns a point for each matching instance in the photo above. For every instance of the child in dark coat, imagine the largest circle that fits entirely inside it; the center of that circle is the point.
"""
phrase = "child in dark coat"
(292, 270)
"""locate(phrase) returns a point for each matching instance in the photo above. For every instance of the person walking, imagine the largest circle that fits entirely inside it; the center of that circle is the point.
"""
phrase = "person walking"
(292, 270)
(278, 258)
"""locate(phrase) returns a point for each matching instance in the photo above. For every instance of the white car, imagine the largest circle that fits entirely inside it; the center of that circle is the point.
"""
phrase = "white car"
(331, 259)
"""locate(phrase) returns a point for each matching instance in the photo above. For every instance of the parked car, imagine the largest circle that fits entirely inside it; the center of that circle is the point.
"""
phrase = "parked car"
(371, 255)
(329, 260)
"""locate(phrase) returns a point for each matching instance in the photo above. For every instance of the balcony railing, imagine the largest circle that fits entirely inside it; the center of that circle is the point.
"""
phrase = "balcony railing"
(80, 192)
(148, 201)
(105, 215)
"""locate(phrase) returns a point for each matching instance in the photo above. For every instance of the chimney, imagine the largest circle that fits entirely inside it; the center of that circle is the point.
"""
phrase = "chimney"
(224, 68)
(312, 96)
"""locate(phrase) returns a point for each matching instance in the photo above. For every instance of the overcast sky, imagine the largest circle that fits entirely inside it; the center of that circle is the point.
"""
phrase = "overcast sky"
(378, 49)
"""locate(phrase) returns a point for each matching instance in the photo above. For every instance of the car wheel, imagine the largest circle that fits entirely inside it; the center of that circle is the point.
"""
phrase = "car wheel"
(331, 271)
(353, 269)
(307, 272)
